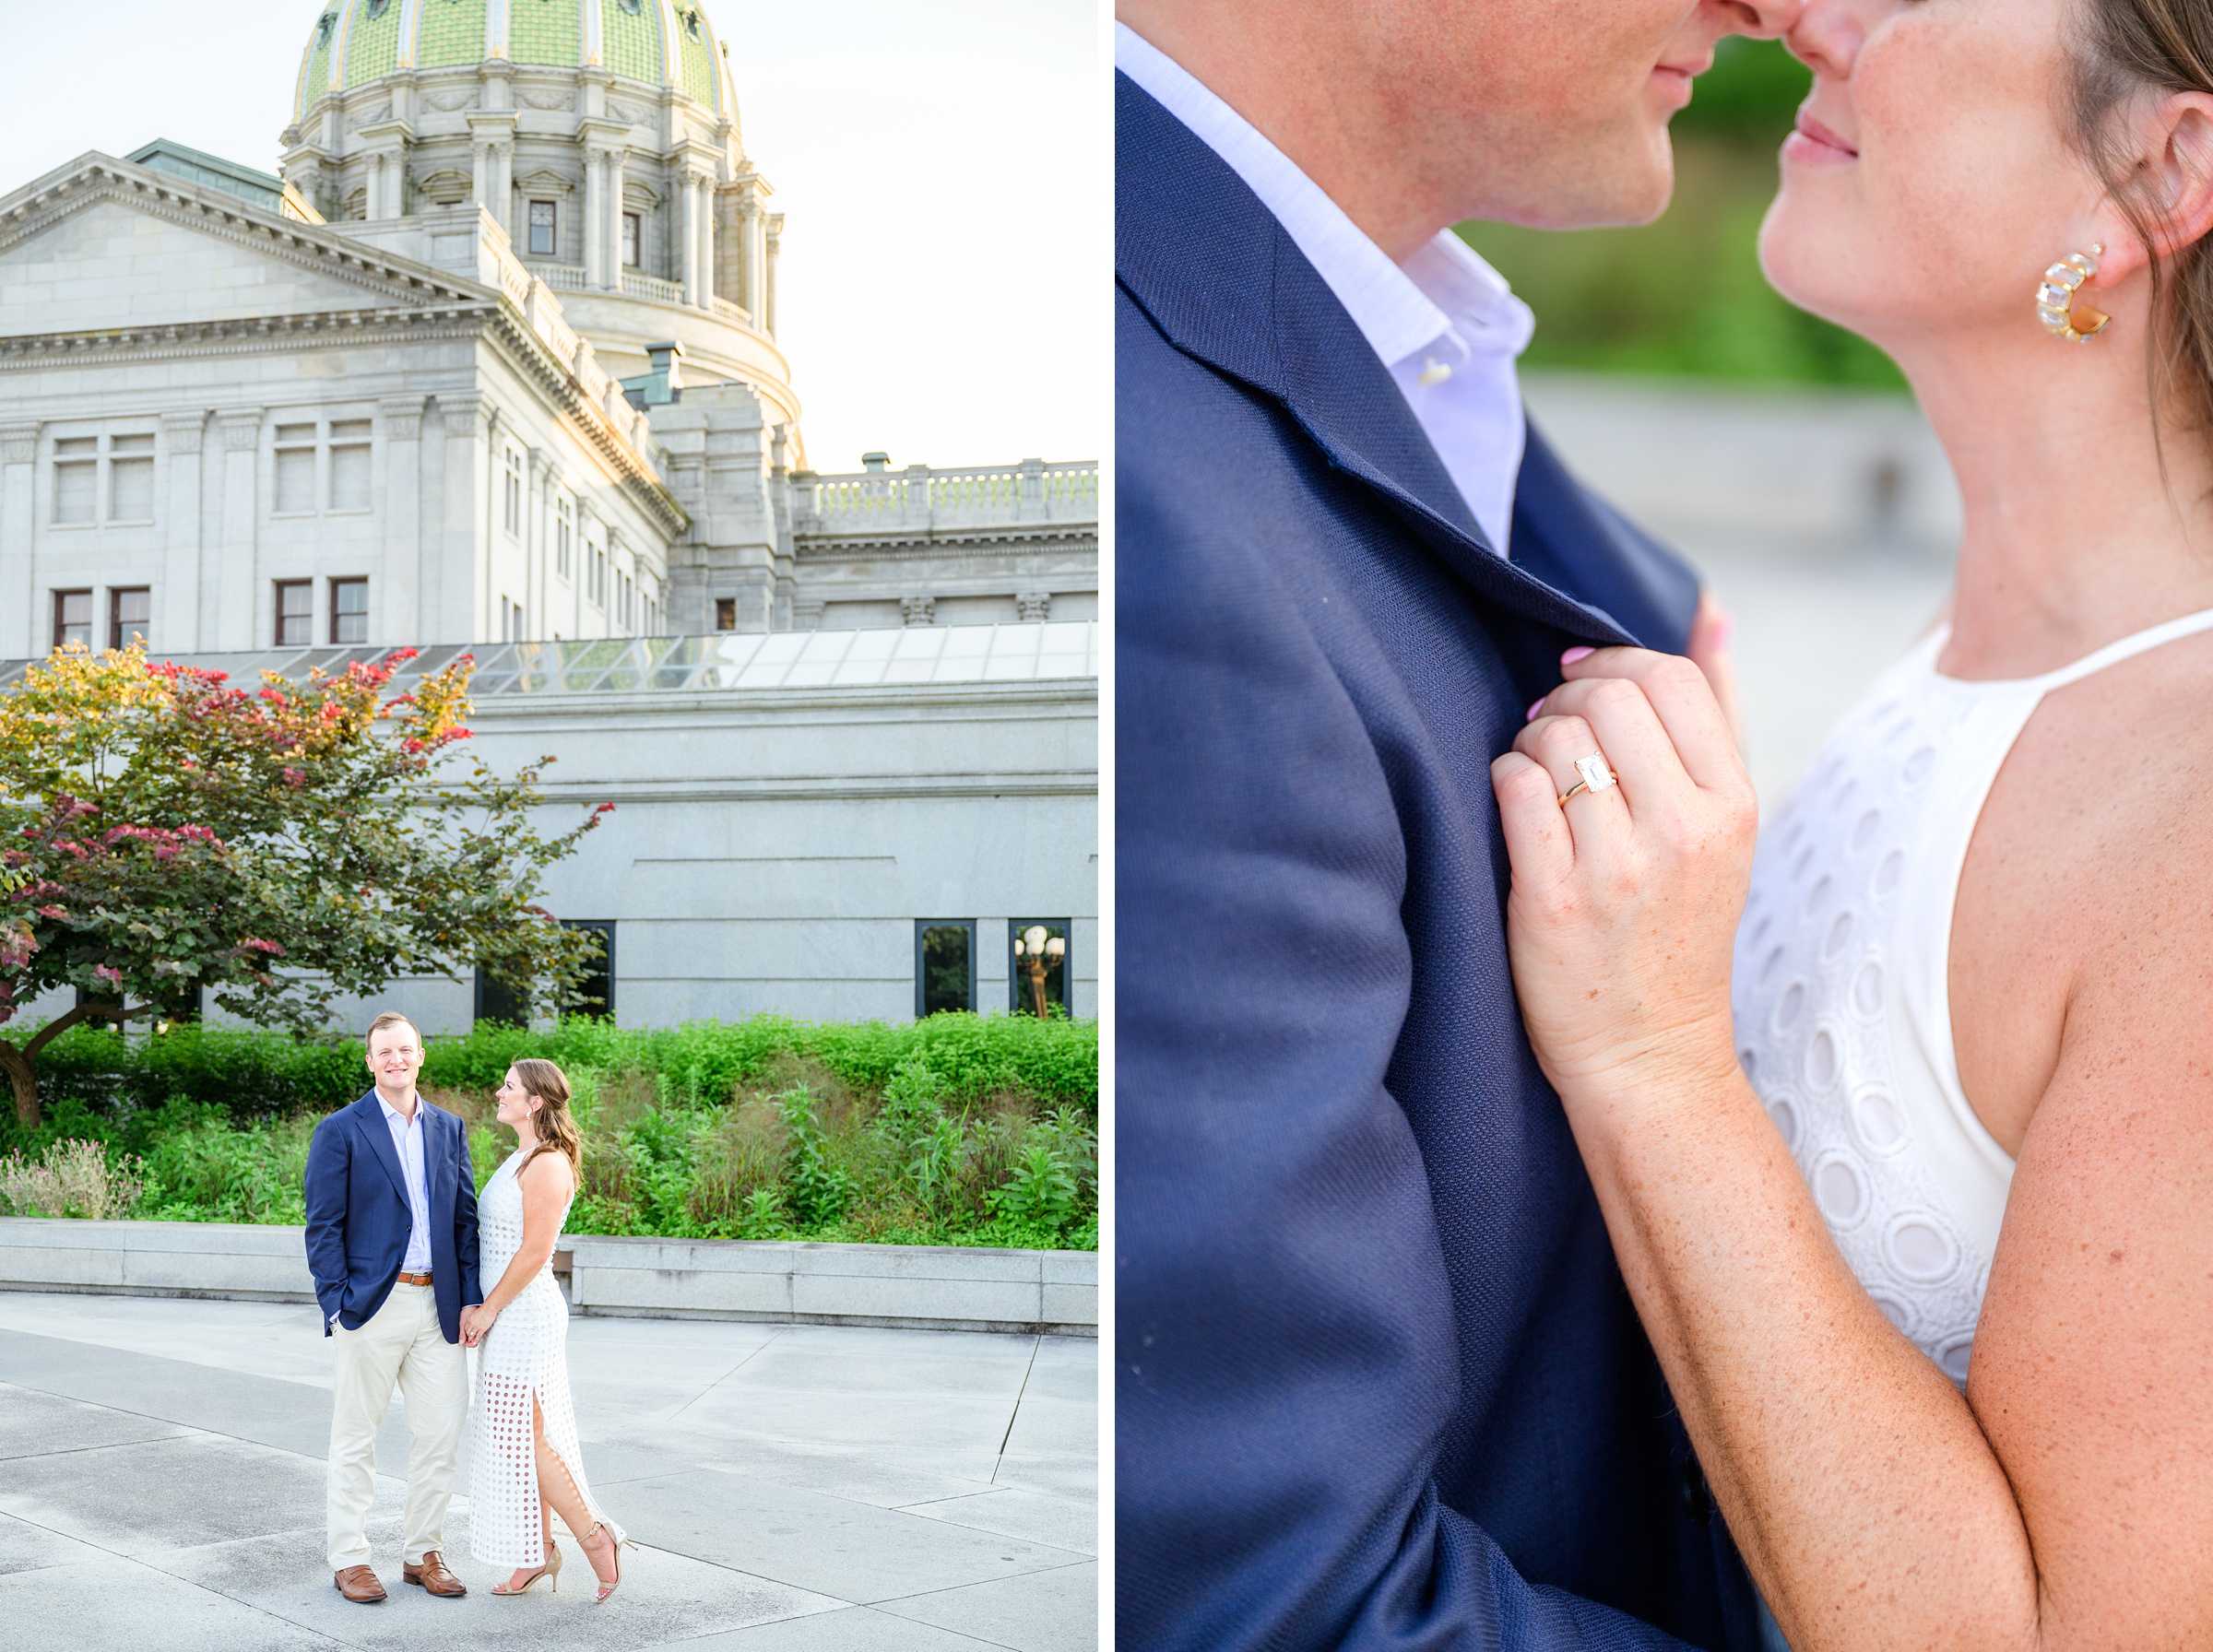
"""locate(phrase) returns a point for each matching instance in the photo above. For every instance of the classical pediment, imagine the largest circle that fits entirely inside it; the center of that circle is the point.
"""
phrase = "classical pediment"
(102, 244)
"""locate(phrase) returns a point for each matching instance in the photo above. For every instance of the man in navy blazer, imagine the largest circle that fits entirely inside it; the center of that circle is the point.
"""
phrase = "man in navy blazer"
(392, 1244)
(1379, 1384)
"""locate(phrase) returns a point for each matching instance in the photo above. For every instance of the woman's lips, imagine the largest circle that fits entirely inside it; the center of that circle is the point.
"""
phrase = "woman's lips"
(1812, 141)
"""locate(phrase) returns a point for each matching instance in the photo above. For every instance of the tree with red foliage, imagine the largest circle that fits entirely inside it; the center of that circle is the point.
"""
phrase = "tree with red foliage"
(163, 833)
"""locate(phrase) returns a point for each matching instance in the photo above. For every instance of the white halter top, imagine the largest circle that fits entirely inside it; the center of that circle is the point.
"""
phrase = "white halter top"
(1841, 992)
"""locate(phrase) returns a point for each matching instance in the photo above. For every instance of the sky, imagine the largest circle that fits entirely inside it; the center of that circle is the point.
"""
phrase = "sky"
(941, 165)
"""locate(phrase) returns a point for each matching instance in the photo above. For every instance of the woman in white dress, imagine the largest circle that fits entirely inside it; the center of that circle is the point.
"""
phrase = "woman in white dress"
(1921, 1223)
(526, 1464)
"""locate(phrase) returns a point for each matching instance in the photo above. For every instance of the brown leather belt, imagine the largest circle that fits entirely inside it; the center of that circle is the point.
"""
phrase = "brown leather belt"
(413, 1278)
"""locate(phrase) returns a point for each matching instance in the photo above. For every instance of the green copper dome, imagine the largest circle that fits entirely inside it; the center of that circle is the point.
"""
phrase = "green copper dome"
(660, 42)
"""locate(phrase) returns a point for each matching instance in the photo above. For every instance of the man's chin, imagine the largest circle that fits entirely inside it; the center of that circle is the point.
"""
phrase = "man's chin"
(1622, 190)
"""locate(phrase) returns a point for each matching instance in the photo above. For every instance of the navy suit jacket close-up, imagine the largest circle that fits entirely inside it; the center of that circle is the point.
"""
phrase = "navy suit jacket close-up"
(1378, 1381)
(358, 1218)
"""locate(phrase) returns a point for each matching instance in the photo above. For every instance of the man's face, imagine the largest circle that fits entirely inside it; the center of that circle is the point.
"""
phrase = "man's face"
(1555, 116)
(395, 1056)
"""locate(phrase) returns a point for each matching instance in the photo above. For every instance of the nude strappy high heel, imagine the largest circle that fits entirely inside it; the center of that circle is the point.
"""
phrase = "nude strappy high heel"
(550, 1572)
(621, 1542)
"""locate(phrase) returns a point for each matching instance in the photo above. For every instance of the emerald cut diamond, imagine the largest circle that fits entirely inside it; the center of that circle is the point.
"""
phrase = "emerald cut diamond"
(1593, 770)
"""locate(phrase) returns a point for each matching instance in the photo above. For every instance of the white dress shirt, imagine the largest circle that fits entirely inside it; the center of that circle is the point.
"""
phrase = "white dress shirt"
(1444, 323)
(407, 1142)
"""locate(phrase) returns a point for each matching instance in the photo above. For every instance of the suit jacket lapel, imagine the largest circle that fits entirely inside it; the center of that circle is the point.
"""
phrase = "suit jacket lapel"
(378, 1133)
(1195, 248)
(1575, 542)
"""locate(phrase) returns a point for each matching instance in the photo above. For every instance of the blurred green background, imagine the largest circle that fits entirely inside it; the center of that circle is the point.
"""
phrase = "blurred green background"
(1683, 295)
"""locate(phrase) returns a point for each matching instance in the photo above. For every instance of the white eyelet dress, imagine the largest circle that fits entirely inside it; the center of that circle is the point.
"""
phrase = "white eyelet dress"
(1841, 988)
(523, 1356)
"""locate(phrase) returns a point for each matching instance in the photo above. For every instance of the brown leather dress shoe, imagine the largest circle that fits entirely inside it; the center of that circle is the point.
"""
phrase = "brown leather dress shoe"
(433, 1578)
(359, 1585)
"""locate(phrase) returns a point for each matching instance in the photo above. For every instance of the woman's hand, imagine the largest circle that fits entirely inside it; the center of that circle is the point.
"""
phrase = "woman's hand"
(476, 1320)
(1623, 913)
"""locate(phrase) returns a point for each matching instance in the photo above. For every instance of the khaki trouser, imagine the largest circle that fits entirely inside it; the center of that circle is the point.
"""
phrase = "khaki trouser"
(402, 1344)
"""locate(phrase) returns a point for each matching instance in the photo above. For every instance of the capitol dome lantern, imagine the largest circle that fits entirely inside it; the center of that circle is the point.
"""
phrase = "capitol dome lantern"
(600, 135)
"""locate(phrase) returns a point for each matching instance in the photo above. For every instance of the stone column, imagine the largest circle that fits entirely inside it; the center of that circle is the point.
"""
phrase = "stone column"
(238, 605)
(502, 185)
(689, 220)
(480, 189)
(176, 622)
(749, 272)
(22, 620)
(462, 542)
(398, 623)
(592, 213)
(616, 160)
(775, 239)
(703, 188)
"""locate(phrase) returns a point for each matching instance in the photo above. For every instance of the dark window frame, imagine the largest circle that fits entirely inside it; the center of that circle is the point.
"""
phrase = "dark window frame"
(61, 624)
(922, 928)
(605, 928)
(726, 613)
(117, 638)
(347, 583)
(277, 615)
(551, 226)
(1018, 987)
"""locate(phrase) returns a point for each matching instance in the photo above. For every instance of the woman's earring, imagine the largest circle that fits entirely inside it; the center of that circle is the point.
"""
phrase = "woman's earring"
(2055, 297)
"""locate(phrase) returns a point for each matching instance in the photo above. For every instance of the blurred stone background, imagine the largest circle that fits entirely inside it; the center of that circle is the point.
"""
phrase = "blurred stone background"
(1785, 457)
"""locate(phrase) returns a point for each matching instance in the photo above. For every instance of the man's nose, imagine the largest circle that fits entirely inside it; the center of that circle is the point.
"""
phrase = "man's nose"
(1765, 19)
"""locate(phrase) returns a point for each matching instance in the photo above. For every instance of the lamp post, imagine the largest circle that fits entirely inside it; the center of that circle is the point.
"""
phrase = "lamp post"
(1035, 953)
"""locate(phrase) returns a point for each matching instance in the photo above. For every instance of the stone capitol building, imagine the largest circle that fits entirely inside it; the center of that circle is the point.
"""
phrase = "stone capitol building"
(494, 364)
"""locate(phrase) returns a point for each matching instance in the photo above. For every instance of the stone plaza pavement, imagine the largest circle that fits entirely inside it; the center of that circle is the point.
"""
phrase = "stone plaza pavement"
(788, 1488)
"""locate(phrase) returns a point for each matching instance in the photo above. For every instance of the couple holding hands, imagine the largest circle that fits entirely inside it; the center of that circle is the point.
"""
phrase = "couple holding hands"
(1556, 1211)
(400, 1243)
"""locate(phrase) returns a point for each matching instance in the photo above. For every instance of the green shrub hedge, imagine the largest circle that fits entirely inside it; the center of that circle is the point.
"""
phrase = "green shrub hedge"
(960, 1129)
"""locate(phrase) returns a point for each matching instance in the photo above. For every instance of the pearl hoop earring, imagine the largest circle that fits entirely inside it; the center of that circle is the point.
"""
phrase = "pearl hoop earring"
(2055, 297)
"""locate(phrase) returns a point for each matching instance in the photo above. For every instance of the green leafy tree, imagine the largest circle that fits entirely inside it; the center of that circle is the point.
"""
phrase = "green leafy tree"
(163, 832)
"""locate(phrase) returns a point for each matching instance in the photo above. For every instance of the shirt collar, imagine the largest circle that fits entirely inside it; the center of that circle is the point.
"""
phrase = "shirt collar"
(1444, 299)
(393, 1115)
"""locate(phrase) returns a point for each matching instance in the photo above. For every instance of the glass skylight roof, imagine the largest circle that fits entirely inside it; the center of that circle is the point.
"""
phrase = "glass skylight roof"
(784, 659)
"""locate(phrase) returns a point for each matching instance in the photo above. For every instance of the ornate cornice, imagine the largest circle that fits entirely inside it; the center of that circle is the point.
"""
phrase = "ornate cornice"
(1014, 542)
(257, 334)
(240, 431)
(18, 444)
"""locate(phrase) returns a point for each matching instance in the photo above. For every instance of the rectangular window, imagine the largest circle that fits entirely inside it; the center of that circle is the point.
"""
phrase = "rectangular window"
(514, 493)
(349, 464)
(1036, 938)
(350, 610)
(75, 481)
(295, 613)
(130, 608)
(295, 469)
(598, 987)
(497, 1001)
(541, 228)
(629, 240)
(131, 479)
(73, 618)
(567, 531)
(944, 966)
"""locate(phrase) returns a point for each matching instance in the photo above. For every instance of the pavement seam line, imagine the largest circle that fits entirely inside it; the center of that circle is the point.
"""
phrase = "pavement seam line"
(1021, 1394)
(725, 1378)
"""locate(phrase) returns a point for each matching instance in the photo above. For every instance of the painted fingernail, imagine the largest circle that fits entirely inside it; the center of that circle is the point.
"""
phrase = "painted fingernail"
(1576, 654)
(1536, 706)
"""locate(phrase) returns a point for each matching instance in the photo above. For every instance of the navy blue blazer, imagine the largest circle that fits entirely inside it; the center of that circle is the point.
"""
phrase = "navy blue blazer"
(1378, 1382)
(359, 1219)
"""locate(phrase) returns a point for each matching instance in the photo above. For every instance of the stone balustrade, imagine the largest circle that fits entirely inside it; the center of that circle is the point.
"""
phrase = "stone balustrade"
(919, 498)
(921, 1287)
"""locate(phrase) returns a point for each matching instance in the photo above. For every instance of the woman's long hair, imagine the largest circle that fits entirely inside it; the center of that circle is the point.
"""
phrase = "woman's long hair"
(556, 1125)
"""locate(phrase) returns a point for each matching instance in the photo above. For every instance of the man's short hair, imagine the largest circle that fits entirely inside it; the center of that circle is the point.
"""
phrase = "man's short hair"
(391, 1018)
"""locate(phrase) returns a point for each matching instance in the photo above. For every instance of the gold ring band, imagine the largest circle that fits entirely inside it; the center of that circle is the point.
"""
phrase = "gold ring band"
(1596, 777)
